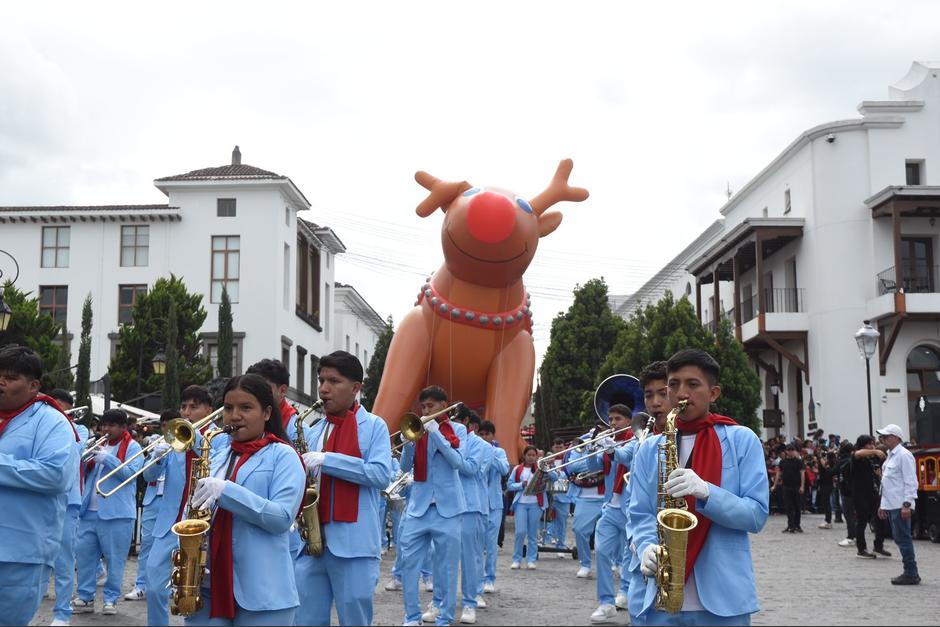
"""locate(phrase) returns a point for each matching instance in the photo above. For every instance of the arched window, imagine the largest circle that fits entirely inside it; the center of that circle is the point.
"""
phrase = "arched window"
(923, 394)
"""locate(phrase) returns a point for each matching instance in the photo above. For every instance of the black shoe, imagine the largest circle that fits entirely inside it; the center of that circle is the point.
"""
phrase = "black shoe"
(798, 530)
(787, 530)
(866, 554)
(883, 552)
(839, 519)
(906, 580)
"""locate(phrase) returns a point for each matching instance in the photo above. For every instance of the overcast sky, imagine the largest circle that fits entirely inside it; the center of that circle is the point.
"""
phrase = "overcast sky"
(661, 109)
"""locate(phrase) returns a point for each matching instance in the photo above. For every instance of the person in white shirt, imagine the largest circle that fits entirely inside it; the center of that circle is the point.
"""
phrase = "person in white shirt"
(898, 495)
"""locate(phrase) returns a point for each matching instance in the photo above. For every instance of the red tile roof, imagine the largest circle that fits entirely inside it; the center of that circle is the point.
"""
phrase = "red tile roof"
(51, 208)
(225, 172)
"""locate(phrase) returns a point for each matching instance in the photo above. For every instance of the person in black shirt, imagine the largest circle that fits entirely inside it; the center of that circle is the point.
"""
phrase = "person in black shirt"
(792, 475)
(865, 494)
(824, 493)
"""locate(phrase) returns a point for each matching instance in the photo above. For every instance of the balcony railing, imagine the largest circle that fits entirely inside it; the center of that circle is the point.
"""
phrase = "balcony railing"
(922, 280)
(775, 300)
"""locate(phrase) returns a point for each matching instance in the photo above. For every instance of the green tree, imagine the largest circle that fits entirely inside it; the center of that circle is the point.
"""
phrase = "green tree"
(171, 383)
(581, 339)
(39, 332)
(226, 336)
(370, 387)
(131, 369)
(83, 376)
(740, 384)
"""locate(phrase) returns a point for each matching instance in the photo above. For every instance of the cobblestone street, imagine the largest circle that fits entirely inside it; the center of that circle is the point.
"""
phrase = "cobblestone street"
(803, 579)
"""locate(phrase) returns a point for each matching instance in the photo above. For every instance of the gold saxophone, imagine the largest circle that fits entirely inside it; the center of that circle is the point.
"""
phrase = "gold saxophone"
(674, 522)
(189, 560)
(308, 521)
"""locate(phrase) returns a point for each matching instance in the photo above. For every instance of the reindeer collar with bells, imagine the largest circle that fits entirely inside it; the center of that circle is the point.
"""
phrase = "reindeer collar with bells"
(474, 318)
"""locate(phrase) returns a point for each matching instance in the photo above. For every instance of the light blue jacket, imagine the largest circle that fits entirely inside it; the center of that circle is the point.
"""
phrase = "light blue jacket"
(263, 500)
(478, 455)
(372, 472)
(38, 466)
(443, 487)
(75, 494)
(738, 507)
(518, 487)
(621, 455)
(123, 503)
(499, 468)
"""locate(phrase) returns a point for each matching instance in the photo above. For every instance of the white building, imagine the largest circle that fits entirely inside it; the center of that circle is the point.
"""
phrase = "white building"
(838, 229)
(234, 225)
(358, 327)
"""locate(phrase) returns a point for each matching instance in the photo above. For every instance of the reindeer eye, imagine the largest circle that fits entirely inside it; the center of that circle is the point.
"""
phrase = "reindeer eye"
(524, 204)
(472, 191)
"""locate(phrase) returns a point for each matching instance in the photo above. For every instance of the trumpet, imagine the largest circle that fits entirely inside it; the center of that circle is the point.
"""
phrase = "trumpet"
(181, 435)
(395, 487)
(91, 448)
(412, 427)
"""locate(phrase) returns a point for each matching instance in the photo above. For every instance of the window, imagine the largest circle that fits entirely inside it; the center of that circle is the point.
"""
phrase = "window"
(285, 355)
(786, 201)
(53, 301)
(225, 259)
(314, 376)
(365, 359)
(225, 207)
(912, 172)
(127, 298)
(301, 363)
(286, 277)
(287, 216)
(357, 350)
(347, 343)
(135, 246)
(55, 247)
(917, 264)
(326, 311)
(308, 282)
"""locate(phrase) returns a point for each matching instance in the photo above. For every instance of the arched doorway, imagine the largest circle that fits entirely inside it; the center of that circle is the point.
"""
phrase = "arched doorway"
(923, 394)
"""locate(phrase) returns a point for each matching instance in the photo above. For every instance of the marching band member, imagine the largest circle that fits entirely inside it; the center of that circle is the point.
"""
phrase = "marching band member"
(106, 525)
(351, 454)
(478, 456)
(499, 468)
(527, 509)
(561, 504)
(278, 377)
(39, 463)
(152, 497)
(257, 483)
(433, 515)
(656, 399)
(588, 494)
(394, 583)
(722, 475)
(65, 561)
(195, 404)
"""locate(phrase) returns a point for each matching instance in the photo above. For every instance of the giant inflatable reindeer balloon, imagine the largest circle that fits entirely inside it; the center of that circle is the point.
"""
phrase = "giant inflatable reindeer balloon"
(471, 328)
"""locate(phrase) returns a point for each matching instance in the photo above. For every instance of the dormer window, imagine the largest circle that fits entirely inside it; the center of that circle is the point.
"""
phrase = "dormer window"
(225, 207)
(913, 170)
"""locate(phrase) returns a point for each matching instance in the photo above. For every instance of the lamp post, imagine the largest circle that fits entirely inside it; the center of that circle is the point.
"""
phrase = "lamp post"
(6, 314)
(867, 340)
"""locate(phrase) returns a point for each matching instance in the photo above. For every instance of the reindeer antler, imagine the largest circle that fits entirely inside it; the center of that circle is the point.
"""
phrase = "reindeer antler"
(442, 192)
(558, 190)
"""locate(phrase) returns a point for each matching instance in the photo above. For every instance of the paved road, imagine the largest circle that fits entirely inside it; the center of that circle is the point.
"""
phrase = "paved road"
(802, 580)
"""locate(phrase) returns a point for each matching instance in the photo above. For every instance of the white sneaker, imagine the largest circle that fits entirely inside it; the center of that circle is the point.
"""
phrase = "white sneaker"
(846, 542)
(80, 606)
(429, 585)
(825, 525)
(481, 604)
(410, 624)
(469, 616)
(514, 566)
(135, 595)
(615, 569)
(583, 573)
(621, 601)
(489, 587)
(109, 609)
(431, 615)
(393, 584)
(604, 613)
(531, 565)
(58, 622)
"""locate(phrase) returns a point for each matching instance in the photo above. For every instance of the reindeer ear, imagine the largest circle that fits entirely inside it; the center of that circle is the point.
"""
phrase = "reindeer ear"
(548, 222)
(441, 193)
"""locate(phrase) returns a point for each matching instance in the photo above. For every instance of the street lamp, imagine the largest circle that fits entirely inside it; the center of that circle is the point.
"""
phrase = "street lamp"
(6, 314)
(159, 363)
(867, 340)
(775, 388)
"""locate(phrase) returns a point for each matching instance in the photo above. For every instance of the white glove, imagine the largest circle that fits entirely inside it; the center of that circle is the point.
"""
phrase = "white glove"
(650, 561)
(431, 426)
(100, 455)
(208, 491)
(684, 482)
(607, 444)
(313, 460)
(160, 449)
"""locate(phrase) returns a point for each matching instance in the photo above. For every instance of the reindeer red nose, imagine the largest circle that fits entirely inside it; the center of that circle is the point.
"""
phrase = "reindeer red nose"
(491, 217)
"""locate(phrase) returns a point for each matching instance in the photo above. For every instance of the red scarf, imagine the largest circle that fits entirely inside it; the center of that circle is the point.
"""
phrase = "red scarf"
(222, 584)
(421, 450)
(621, 469)
(8, 416)
(540, 495)
(344, 495)
(287, 412)
(706, 462)
(124, 440)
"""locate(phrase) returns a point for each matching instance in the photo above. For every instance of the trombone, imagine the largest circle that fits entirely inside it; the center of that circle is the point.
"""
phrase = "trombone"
(181, 435)
(412, 427)
(609, 433)
(78, 411)
(91, 448)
